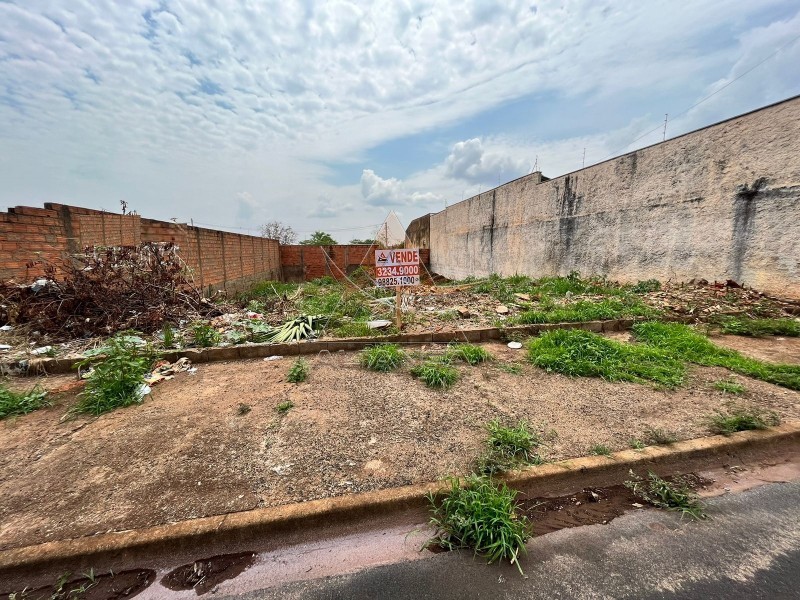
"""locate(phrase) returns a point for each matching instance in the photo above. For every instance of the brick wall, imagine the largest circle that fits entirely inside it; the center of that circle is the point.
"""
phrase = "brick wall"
(216, 259)
(303, 263)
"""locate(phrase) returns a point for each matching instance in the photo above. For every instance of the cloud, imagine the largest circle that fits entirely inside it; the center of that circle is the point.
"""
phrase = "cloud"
(391, 192)
(471, 162)
(328, 208)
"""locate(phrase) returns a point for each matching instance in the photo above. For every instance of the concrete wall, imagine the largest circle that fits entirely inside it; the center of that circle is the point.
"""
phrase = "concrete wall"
(418, 233)
(721, 202)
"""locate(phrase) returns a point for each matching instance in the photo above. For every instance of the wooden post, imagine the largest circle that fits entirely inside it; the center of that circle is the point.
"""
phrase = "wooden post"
(397, 302)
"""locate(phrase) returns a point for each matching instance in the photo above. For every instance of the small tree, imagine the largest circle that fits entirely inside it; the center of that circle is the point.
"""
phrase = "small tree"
(319, 238)
(279, 231)
(365, 242)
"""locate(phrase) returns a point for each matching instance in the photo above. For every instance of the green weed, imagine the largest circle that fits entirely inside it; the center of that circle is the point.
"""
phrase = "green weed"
(469, 353)
(512, 368)
(729, 387)
(676, 495)
(636, 444)
(482, 516)
(285, 406)
(169, 335)
(118, 380)
(643, 287)
(436, 374)
(243, 409)
(299, 371)
(21, 403)
(586, 310)
(575, 352)
(684, 343)
(760, 327)
(657, 436)
(205, 336)
(508, 448)
(741, 418)
(382, 357)
(600, 450)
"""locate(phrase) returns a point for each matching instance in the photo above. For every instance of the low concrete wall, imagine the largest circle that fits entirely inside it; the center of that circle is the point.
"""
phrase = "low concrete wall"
(719, 203)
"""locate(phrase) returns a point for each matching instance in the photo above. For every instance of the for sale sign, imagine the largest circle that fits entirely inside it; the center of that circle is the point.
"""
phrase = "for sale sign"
(395, 268)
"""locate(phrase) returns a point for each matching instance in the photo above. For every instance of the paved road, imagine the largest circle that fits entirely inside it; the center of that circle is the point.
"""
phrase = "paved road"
(751, 549)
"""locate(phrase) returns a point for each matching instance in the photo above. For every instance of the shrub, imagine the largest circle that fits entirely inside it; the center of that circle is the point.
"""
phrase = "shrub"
(469, 353)
(21, 403)
(299, 371)
(382, 357)
(118, 380)
(675, 495)
(436, 374)
(482, 516)
(740, 418)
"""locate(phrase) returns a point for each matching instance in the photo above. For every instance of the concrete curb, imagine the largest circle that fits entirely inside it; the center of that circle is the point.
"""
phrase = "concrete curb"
(53, 366)
(283, 525)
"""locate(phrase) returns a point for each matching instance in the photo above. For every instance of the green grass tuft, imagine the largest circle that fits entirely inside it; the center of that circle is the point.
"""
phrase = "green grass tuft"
(469, 353)
(675, 495)
(298, 372)
(657, 436)
(600, 450)
(508, 448)
(436, 374)
(512, 368)
(382, 357)
(729, 387)
(684, 343)
(575, 352)
(482, 516)
(643, 287)
(760, 327)
(285, 406)
(21, 403)
(741, 418)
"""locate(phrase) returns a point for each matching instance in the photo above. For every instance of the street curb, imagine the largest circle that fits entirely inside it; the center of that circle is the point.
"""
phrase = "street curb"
(54, 366)
(283, 525)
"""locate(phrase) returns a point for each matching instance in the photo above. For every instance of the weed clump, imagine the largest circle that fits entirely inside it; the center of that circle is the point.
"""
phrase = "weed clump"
(21, 403)
(382, 358)
(585, 310)
(118, 380)
(600, 450)
(684, 343)
(658, 436)
(729, 387)
(483, 516)
(508, 448)
(676, 495)
(436, 374)
(575, 352)
(648, 285)
(285, 407)
(469, 353)
(741, 418)
(205, 336)
(299, 371)
(243, 409)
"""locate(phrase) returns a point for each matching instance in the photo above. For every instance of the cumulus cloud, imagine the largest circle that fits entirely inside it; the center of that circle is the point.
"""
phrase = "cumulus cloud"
(469, 161)
(328, 208)
(391, 192)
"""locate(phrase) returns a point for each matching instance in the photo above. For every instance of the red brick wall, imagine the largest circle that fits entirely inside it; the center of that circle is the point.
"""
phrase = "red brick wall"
(303, 263)
(216, 259)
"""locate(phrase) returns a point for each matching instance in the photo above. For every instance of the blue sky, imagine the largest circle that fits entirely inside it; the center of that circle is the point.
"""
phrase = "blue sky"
(326, 115)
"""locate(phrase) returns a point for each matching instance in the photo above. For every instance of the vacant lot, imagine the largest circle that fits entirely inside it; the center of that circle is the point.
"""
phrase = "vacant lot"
(214, 442)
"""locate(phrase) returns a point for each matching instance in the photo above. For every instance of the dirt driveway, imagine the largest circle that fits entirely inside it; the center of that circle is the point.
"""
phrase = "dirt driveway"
(189, 452)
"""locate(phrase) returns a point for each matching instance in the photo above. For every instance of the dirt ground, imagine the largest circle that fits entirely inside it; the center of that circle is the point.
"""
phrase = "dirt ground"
(188, 452)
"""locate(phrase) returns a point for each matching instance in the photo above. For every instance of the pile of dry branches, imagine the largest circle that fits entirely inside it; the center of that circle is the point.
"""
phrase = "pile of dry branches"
(105, 290)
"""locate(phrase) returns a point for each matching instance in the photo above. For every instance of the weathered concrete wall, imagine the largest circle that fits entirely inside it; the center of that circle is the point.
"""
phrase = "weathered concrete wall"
(418, 232)
(721, 202)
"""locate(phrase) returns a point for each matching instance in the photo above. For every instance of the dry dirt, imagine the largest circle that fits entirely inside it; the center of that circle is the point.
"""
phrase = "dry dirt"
(187, 452)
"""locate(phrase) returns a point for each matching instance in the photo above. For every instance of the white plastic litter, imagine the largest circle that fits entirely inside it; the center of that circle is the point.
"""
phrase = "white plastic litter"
(5, 347)
(42, 350)
(515, 345)
(6, 328)
(378, 324)
(276, 357)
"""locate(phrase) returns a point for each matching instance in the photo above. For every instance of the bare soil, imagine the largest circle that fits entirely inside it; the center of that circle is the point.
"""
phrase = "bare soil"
(784, 350)
(188, 452)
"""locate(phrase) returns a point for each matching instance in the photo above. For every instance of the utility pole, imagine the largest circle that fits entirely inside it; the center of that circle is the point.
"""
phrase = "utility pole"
(583, 165)
(666, 116)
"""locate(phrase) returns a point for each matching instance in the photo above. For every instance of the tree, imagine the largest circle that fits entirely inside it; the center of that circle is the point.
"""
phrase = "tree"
(366, 242)
(279, 231)
(319, 238)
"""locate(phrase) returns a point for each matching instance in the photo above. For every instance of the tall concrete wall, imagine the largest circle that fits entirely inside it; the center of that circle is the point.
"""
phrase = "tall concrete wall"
(718, 203)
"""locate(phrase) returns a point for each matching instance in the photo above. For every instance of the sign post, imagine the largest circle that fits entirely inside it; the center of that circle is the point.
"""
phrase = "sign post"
(397, 268)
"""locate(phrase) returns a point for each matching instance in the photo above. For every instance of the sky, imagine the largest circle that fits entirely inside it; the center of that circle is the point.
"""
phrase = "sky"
(327, 115)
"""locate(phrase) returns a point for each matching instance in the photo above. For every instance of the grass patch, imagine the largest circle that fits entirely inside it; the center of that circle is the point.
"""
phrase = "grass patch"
(600, 450)
(285, 406)
(298, 372)
(586, 310)
(436, 374)
(729, 387)
(760, 327)
(575, 352)
(382, 358)
(118, 380)
(512, 368)
(741, 418)
(482, 516)
(657, 436)
(648, 285)
(508, 448)
(684, 343)
(676, 495)
(468, 353)
(13, 404)
(636, 444)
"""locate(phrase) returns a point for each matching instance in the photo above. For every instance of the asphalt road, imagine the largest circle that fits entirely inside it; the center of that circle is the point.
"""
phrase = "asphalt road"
(749, 549)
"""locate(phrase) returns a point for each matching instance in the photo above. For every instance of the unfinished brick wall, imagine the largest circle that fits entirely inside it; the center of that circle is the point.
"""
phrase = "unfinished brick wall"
(304, 263)
(216, 259)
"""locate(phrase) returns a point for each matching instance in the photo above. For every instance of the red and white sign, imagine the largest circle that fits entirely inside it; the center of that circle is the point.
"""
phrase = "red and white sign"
(394, 268)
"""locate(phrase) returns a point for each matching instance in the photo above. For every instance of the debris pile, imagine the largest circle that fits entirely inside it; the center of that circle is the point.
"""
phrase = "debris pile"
(105, 290)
